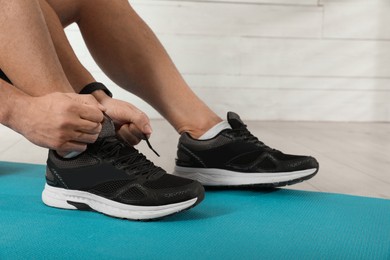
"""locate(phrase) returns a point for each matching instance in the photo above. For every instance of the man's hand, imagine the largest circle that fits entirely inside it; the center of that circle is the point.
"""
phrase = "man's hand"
(59, 121)
(132, 124)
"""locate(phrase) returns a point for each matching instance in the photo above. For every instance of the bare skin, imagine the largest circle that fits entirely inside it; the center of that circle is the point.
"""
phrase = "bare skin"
(30, 59)
(72, 121)
(25, 113)
(133, 124)
(136, 60)
(26, 46)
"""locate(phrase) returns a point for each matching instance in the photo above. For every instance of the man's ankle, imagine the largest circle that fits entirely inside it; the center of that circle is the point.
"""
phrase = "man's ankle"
(196, 131)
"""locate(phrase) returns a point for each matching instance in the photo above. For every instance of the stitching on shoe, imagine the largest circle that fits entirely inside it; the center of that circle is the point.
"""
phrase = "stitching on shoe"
(59, 178)
(193, 155)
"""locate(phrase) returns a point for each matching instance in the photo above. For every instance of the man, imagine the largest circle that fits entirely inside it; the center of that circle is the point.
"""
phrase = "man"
(91, 163)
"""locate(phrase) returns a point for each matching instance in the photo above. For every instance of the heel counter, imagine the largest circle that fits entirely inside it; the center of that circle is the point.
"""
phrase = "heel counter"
(52, 177)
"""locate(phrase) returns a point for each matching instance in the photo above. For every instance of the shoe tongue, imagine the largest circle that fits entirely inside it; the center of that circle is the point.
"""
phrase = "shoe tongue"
(235, 120)
(108, 128)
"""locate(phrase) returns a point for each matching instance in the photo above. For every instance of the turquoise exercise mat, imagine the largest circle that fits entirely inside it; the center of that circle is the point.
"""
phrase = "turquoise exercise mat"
(238, 224)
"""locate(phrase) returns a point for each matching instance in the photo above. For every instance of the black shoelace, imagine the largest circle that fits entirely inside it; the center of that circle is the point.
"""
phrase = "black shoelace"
(245, 135)
(150, 146)
(126, 157)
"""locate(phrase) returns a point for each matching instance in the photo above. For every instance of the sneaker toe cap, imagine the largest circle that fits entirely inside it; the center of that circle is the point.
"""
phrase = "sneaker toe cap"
(301, 163)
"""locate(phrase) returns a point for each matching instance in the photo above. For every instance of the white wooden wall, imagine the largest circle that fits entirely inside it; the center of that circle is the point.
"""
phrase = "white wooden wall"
(320, 60)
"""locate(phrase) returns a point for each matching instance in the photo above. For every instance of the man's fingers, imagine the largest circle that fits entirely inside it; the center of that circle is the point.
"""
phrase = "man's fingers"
(125, 134)
(89, 106)
(91, 100)
(133, 130)
(88, 127)
(141, 121)
(91, 113)
(85, 138)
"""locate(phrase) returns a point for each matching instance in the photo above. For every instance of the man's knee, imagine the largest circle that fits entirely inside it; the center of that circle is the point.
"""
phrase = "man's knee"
(87, 5)
(68, 11)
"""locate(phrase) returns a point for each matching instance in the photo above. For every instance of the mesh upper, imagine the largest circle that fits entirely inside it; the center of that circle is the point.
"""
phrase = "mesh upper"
(199, 145)
(133, 193)
(110, 187)
(167, 181)
(286, 157)
(267, 164)
(80, 161)
(108, 128)
(117, 172)
(237, 150)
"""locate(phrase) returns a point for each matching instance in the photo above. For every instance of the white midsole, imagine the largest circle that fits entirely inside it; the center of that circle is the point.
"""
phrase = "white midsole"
(220, 177)
(58, 197)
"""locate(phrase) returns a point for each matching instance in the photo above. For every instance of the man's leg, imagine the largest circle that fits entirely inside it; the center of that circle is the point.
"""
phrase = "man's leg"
(131, 55)
(31, 43)
(76, 73)
(27, 53)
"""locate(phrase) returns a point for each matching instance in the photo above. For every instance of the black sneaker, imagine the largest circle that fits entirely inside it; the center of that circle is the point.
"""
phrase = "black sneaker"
(235, 157)
(113, 178)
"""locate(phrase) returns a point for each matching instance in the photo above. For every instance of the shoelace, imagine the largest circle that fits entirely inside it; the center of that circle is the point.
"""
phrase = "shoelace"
(245, 135)
(126, 157)
(150, 146)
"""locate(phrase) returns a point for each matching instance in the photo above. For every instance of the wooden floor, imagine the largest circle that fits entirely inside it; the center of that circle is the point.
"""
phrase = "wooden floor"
(354, 157)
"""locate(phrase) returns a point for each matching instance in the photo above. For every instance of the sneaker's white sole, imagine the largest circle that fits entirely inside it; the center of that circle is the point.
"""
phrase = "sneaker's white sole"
(58, 197)
(220, 177)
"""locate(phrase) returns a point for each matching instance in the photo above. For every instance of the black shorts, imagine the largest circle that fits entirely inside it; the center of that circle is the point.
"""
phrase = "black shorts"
(4, 77)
